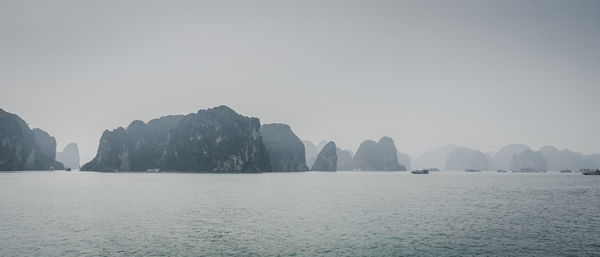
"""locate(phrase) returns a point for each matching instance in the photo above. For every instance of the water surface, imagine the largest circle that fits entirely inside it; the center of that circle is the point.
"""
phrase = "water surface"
(304, 214)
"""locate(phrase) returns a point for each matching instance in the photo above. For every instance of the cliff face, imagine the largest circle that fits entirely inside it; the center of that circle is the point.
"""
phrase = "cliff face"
(43, 156)
(464, 158)
(24, 149)
(344, 159)
(327, 158)
(565, 159)
(529, 160)
(212, 140)
(504, 156)
(377, 156)
(69, 156)
(404, 160)
(285, 149)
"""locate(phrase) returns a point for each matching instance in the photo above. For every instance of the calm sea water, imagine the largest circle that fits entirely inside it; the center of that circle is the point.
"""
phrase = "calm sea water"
(305, 214)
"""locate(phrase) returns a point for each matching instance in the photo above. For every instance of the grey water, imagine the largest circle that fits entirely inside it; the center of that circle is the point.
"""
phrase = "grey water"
(301, 214)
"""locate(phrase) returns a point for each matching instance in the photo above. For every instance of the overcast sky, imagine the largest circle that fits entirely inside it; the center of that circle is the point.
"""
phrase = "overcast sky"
(481, 74)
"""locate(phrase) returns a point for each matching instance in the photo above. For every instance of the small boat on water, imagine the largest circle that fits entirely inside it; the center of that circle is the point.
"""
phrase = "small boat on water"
(501, 171)
(596, 172)
(472, 170)
(68, 169)
(420, 172)
(530, 170)
(566, 171)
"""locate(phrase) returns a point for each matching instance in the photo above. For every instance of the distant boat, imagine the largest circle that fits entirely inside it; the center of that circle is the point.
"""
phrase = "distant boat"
(472, 170)
(501, 171)
(530, 170)
(51, 168)
(596, 172)
(586, 170)
(566, 171)
(420, 172)
(68, 169)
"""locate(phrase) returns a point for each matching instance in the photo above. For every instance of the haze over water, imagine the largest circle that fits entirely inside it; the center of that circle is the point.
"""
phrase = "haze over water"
(306, 214)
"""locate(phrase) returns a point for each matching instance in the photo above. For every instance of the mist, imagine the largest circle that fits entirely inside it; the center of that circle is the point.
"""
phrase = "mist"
(482, 74)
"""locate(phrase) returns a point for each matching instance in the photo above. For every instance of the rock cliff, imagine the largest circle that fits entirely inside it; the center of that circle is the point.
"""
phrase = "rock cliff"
(327, 158)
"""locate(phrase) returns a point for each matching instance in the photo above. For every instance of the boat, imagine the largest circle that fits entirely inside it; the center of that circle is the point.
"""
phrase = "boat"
(501, 171)
(585, 170)
(530, 170)
(420, 172)
(68, 169)
(566, 171)
(596, 172)
(472, 170)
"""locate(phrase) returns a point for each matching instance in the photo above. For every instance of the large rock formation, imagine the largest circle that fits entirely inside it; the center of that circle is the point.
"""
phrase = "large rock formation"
(24, 149)
(327, 158)
(69, 156)
(464, 158)
(311, 152)
(435, 158)
(377, 156)
(504, 156)
(565, 159)
(285, 149)
(529, 160)
(212, 140)
(344, 159)
(404, 160)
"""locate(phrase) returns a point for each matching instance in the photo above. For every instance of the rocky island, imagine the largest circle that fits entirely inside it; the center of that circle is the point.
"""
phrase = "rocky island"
(22, 148)
(327, 158)
(377, 156)
(211, 140)
(69, 156)
(285, 149)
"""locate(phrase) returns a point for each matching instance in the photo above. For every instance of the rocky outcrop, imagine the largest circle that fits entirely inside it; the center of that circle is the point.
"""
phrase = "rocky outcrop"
(565, 159)
(327, 158)
(435, 158)
(377, 156)
(212, 140)
(344, 159)
(24, 149)
(311, 152)
(285, 149)
(503, 157)
(69, 156)
(404, 160)
(43, 156)
(529, 160)
(464, 158)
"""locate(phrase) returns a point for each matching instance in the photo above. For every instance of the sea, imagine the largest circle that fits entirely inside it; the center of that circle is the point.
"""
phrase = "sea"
(299, 214)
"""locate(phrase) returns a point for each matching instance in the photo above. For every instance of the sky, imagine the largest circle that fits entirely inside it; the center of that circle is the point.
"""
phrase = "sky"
(481, 74)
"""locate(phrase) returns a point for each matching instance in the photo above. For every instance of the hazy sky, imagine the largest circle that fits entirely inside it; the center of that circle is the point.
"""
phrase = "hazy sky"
(426, 73)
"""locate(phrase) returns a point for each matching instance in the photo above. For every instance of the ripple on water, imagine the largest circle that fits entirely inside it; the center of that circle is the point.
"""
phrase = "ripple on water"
(303, 214)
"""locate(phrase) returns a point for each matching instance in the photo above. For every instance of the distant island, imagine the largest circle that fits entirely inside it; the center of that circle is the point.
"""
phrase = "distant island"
(221, 140)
